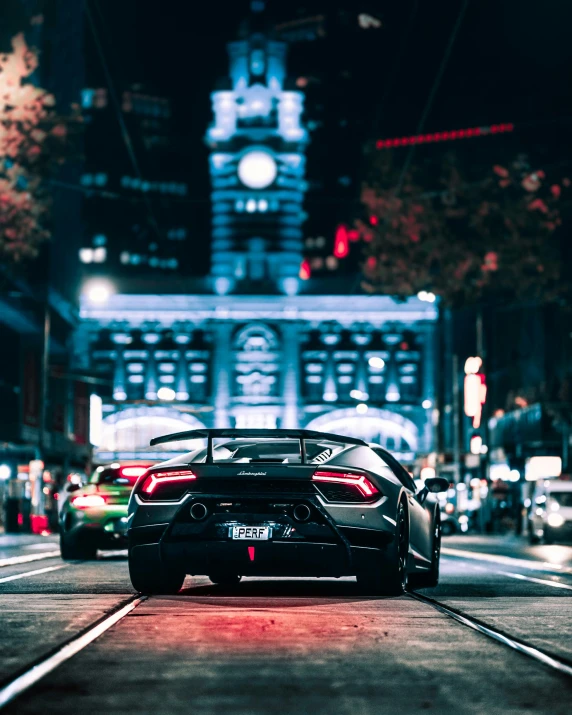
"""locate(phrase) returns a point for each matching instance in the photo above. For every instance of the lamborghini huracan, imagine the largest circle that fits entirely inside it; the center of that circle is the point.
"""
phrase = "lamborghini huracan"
(260, 502)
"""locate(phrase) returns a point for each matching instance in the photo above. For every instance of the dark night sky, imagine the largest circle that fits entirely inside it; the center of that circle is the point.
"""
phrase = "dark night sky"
(511, 62)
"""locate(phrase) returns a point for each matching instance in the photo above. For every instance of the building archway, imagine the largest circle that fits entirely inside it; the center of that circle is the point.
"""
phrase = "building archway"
(130, 430)
(384, 427)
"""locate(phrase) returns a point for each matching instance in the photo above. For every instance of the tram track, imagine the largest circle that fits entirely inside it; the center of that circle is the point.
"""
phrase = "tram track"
(18, 683)
(27, 677)
(561, 665)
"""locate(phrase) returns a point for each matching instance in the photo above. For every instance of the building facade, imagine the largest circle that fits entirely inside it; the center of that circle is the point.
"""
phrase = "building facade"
(253, 345)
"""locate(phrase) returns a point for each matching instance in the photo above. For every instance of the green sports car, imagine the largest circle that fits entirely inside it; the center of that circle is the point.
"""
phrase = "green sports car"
(94, 516)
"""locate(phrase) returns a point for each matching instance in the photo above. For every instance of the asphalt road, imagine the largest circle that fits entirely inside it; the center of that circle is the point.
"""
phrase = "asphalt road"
(291, 646)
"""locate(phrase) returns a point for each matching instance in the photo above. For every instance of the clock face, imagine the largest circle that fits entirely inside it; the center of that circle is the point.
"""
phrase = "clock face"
(257, 169)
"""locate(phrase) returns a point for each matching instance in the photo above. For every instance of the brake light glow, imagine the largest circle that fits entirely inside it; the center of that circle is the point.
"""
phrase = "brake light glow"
(156, 478)
(88, 500)
(132, 471)
(356, 480)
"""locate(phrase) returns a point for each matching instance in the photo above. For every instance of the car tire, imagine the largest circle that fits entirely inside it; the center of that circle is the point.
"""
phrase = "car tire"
(76, 548)
(148, 581)
(389, 576)
(225, 579)
(547, 538)
(430, 578)
(448, 528)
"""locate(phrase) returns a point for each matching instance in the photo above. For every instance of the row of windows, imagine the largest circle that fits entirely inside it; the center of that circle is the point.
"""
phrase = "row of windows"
(139, 259)
(167, 367)
(163, 187)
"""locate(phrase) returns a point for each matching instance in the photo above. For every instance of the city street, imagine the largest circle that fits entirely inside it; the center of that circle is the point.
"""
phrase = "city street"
(290, 645)
(285, 301)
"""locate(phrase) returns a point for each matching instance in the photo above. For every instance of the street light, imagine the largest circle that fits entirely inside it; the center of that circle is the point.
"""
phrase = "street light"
(426, 296)
(98, 291)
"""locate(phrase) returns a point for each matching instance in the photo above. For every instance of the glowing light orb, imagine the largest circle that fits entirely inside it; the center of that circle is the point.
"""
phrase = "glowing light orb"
(257, 169)
(166, 393)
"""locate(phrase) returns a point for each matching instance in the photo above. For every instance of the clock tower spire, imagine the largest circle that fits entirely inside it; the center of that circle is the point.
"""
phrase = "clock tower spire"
(257, 164)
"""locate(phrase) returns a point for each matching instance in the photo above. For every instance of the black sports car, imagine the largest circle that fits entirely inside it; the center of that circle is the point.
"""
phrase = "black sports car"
(258, 502)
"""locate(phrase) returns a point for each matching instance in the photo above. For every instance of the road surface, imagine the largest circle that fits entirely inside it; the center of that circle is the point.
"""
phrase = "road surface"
(288, 646)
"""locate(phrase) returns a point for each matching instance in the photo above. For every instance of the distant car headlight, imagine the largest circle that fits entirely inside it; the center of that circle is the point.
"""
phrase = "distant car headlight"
(555, 520)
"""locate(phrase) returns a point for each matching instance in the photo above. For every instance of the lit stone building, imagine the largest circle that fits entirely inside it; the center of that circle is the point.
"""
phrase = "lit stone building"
(252, 345)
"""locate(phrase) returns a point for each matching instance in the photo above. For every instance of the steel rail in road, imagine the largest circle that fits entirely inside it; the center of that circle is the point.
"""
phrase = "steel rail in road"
(560, 664)
(29, 677)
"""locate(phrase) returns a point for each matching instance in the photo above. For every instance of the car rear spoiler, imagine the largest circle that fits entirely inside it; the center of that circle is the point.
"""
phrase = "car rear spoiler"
(300, 434)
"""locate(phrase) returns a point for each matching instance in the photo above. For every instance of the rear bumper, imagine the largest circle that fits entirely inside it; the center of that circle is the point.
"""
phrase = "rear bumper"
(96, 535)
(261, 558)
(105, 528)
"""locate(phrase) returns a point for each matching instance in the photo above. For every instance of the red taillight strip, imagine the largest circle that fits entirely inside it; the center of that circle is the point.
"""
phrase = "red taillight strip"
(156, 478)
(132, 471)
(356, 480)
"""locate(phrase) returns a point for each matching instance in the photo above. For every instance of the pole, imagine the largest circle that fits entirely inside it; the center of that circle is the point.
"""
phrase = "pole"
(456, 416)
(45, 376)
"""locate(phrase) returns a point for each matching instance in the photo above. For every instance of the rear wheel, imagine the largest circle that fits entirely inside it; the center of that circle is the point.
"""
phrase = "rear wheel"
(74, 547)
(389, 576)
(225, 579)
(448, 528)
(430, 578)
(162, 580)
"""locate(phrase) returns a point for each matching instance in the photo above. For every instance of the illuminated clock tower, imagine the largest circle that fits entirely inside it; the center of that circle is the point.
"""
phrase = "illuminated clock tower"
(257, 165)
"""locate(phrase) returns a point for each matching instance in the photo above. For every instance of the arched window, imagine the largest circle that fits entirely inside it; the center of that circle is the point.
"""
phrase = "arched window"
(384, 427)
(132, 429)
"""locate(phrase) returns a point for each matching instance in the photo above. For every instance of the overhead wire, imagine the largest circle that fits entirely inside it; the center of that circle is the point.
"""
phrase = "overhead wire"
(119, 114)
(432, 93)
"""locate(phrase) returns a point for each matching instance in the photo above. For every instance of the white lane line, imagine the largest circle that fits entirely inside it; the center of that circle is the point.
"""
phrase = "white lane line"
(514, 643)
(40, 547)
(506, 560)
(542, 581)
(30, 573)
(15, 560)
(38, 671)
(522, 577)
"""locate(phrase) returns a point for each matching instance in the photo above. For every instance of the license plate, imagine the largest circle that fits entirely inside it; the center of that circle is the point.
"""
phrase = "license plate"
(250, 533)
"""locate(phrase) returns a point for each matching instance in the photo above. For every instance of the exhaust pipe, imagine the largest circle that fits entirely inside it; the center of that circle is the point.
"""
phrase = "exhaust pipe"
(302, 512)
(199, 511)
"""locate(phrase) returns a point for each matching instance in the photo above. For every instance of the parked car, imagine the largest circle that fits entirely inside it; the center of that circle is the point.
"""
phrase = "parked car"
(550, 514)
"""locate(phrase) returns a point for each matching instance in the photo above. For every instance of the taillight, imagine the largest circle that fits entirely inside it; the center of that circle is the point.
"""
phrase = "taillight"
(88, 500)
(156, 479)
(132, 471)
(352, 479)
